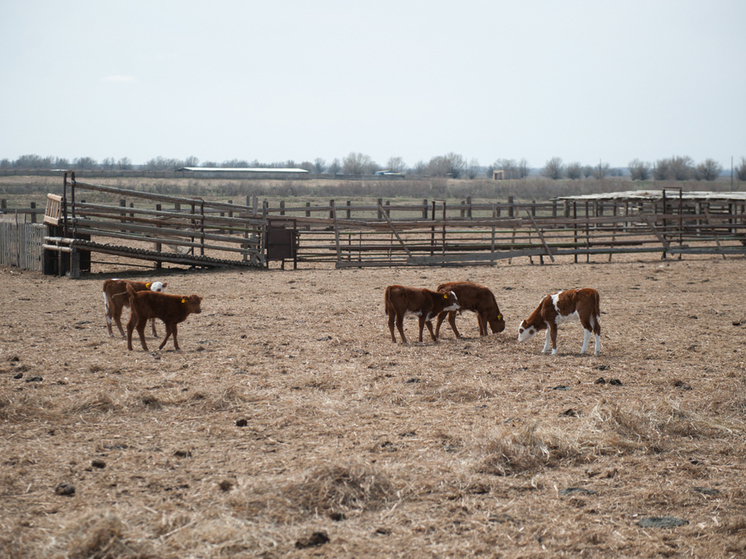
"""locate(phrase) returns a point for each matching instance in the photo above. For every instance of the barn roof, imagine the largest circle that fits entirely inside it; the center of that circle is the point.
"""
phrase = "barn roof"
(278, 170)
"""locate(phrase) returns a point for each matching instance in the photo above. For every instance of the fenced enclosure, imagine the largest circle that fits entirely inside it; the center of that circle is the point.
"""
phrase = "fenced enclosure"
(159, 228)
(436, 233)
(153, 227)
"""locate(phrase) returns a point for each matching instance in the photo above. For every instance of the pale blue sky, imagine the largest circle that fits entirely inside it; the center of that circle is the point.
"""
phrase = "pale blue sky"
(280, 80)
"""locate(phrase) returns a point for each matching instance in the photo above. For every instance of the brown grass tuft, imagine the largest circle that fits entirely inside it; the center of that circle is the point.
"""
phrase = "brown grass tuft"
(103, 537)
(523, 451)
(323, 490)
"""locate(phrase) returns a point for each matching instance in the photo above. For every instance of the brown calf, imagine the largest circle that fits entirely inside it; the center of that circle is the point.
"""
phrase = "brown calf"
(400, 301)
(116, 298)
(476, 298)
(560, 307)
(171, 309)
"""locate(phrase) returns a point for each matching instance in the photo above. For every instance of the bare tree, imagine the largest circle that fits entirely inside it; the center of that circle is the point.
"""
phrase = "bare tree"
(601, 170)
(191, 161)
(449, 165)
(553, 168)
(85, 163)
(473, 168)
(639, 170)
(358, 164)
(124, 163)
(419, 168)
(675, 169)
(574, 171)
(396, 165)
(319, 165)
(523, 168)
(335, 167)
(108, 163)
(708, 170)
(741, 170)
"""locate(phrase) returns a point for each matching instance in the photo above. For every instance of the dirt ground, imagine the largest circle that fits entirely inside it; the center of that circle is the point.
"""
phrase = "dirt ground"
(289, 424)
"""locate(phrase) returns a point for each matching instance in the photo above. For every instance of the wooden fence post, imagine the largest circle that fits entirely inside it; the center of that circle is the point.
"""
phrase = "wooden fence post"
(33, 214)
(348, 209)
(380, 212)
(331, 212)
(424, 209)
(158, 246)
(468, 203)
(511, 210)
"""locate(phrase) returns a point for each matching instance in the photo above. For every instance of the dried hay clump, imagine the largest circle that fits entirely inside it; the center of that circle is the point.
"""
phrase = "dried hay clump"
(103, 536)
(524, 451)
(226, 400)
(327, 489)
(100, 402)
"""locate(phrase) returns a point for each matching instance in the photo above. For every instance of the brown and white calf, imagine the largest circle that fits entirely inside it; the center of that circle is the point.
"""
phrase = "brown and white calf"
(171, 309)
(400, 301)
(476, 298)
(556, 308)
(116, 298)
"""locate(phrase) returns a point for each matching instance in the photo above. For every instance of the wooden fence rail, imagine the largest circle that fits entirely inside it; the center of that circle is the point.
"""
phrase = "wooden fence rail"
(197, 232)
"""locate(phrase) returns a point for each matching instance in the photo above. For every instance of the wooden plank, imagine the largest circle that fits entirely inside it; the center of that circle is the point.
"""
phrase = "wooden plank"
(391, 225)
(541, 236)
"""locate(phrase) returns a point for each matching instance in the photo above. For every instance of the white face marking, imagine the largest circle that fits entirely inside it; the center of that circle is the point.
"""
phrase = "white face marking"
(156, 286)
(525, 333)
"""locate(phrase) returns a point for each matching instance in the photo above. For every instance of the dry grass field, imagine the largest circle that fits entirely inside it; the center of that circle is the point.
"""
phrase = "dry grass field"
(289, 425)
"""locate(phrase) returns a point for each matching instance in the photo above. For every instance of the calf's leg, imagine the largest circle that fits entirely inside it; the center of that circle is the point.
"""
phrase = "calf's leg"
(452, 322)
(141, 323)
(400, 327)
(392, 317)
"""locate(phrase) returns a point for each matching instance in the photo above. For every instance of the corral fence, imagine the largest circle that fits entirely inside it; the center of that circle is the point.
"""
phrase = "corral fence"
(435, 233)
(89, 219)
(146, 226)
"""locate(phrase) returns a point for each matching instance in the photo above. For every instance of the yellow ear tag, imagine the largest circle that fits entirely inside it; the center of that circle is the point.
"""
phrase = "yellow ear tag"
(499, 317)
(147, 285)
(445, 296)
(183, 300)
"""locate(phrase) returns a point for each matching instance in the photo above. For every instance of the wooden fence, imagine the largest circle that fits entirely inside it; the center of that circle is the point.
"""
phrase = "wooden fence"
(438, 234)
(21, 245)
(191, 231)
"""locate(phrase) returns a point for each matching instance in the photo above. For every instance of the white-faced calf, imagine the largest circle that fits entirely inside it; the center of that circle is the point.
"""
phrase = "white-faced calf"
(171, 309)
(116, 298)
(554, 309)
(400, 301)
(476, 298)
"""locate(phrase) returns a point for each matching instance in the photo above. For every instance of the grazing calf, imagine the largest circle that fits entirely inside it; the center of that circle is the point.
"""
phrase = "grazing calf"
(560, 307)
(476, 298)
(400, 301)
(116, 298)
(171, 309)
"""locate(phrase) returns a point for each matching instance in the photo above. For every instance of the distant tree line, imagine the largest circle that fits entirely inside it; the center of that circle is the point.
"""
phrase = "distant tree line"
(448, 165)
(674, 169)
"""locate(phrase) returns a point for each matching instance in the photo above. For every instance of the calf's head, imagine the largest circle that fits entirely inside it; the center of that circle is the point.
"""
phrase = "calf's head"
(157, 286)
(192, 303)
(497, 323)
(451, 303)
(526, 332)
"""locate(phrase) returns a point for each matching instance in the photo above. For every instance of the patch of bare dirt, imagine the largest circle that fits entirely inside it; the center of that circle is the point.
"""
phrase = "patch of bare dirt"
(290, 425)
